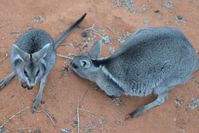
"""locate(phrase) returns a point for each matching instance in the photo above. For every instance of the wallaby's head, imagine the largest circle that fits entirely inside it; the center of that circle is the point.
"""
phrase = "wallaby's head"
(83, 64)
(29, 68)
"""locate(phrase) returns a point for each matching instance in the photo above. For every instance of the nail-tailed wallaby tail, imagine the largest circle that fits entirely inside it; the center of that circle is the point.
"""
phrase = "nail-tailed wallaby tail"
(33, 56)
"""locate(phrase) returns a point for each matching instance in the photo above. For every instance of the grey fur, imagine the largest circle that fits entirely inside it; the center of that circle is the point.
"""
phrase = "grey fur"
(32, 57)
(150, 61)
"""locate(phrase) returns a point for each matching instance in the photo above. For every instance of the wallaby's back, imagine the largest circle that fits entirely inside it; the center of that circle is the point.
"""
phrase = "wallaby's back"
(151, 56)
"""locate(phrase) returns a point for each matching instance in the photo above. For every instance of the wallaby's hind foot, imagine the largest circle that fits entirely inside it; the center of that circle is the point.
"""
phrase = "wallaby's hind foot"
(6, 80)
(139, 111)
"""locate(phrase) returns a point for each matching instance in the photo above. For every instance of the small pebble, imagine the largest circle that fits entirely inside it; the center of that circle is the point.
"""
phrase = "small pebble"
(39, 19)
(101, 120)
(119, 122)
(145, 8)
(178, 101)
(65, 130)
(194, 104)
(179, 19)
(117, 101)
(168, 5)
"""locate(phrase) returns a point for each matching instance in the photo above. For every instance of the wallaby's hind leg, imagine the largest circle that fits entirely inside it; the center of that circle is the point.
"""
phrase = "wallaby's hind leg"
(6, 80)
(158, 101)
(38, 98)
(161, 91)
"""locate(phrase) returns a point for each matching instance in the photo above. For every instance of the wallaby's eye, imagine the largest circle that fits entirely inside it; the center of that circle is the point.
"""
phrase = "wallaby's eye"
(85, 63)
(37, 72)
(25, 73)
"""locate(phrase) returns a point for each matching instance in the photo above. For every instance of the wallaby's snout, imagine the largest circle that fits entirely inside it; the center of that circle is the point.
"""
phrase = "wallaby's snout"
(24, 85)
(73, 65)
(30, 87)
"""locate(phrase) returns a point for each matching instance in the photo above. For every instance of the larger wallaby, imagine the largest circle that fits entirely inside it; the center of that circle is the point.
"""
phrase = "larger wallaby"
(33, 56)
(150, 61)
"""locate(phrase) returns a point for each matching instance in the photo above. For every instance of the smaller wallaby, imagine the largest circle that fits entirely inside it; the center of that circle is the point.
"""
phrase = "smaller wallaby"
(33, 56)
(150, 61)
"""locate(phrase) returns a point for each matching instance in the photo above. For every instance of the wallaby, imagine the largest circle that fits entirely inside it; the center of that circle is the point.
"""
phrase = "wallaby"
(33, 56)
(150, 61)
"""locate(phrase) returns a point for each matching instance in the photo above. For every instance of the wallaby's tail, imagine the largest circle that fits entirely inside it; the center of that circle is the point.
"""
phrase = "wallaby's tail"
(68, 31)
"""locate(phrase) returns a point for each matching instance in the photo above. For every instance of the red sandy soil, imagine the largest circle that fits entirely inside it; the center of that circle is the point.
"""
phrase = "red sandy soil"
(98, 113)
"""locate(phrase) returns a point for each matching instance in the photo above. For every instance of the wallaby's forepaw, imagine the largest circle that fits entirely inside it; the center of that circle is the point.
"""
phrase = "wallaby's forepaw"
(135, 113)
(36, 103)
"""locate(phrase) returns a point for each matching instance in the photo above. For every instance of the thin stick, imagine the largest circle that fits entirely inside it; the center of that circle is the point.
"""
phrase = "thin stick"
(64, 56)
(48, 115)
(78, 118)
(87, 111)
(109, 28)
(10, 118)
(84, 94)
(92, 28)
(17, 129)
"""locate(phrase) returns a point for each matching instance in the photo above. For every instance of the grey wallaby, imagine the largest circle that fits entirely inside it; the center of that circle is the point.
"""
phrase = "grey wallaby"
(150, 61)
(33, 56)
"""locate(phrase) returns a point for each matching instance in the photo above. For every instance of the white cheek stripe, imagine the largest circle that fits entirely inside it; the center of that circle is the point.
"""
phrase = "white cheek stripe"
(107, 73)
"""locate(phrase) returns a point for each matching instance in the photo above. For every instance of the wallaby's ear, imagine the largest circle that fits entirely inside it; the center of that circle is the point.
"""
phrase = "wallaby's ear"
(42, 52)
(96, 49)
(22, 55)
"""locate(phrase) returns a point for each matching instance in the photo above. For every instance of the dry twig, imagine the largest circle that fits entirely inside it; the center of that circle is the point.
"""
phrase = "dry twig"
(48, 114)
(87, 111)
(10, 118)
(65, 57)
(78, 118)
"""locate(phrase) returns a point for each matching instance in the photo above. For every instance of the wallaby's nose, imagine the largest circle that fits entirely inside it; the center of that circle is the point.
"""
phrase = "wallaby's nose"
(30, 87)
(74, 65)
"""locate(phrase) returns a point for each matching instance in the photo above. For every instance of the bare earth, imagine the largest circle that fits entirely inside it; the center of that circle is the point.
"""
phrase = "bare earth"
(97, 112)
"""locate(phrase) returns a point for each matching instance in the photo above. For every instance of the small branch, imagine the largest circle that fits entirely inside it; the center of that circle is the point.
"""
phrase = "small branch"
(65, 57)
(10, 118)
(87, 111)
(92, 28)
(83, 95)
(50, 116)
(78, 118)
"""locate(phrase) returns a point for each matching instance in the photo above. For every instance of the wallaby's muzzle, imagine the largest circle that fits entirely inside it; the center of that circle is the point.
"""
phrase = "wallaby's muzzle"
(24, 85)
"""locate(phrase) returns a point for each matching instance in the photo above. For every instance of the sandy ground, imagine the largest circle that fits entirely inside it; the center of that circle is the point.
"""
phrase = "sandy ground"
(98, 113)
